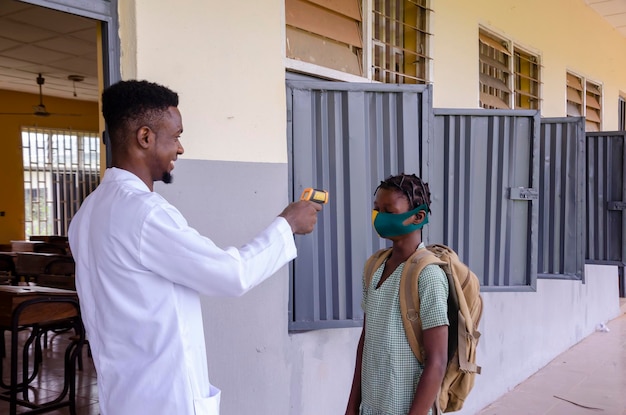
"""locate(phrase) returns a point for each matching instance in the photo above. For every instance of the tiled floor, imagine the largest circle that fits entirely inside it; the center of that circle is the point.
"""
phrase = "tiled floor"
(50, 380)
(589, 378)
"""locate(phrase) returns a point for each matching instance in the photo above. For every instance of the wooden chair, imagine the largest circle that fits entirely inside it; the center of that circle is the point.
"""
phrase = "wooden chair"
(59, 273)
(61, 266)
(64, 281)
(7, 277)
(7, 269)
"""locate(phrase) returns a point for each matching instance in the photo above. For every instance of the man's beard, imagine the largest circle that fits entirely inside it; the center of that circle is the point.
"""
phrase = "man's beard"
(167, 177)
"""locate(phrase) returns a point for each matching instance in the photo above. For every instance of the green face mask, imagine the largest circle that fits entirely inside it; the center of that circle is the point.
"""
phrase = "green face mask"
(392, 224)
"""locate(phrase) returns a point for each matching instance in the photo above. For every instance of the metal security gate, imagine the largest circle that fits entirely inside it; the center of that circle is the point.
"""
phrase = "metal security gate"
(606, 200)
(483, 175)
(345, 138)
(517, 196)
(562, 183)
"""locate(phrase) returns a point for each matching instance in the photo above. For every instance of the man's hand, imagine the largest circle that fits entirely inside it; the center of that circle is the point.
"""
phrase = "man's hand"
(301, 216)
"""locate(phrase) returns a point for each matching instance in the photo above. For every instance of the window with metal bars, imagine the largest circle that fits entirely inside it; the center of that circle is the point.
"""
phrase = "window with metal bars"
(584, 99)
(499, 68)
(381, 40)
(61, 167)
(400, 41)
(527, 82)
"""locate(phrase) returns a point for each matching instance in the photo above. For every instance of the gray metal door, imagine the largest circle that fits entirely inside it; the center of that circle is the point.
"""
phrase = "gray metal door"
(483, 174)
(345, 138)
(562, 183)
(606, 198)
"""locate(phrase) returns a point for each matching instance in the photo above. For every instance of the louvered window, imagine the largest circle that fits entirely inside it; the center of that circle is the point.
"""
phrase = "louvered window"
(584, 99)
(507, 79)
(381, 40)
(575, 94)
(325, 33)
(495, 72)
(593, 107)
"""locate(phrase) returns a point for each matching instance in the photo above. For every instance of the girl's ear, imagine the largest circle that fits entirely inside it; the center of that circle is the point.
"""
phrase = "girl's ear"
(419, 217)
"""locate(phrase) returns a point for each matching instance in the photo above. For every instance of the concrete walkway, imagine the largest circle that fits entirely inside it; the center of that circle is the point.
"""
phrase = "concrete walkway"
(589, 378)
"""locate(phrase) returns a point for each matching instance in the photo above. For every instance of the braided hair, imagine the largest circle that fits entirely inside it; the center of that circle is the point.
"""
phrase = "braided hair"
(411, 186)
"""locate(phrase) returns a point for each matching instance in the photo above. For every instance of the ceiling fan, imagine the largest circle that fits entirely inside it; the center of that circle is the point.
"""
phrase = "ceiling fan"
(39, 110)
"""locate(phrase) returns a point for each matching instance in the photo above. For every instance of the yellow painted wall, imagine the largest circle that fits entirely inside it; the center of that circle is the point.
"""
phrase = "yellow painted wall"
(11, 170)
(226, 61)
(567, 35)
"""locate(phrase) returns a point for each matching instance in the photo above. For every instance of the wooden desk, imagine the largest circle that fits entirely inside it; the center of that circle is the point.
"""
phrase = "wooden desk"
(12, 296)
(31, 264)
(38, 309)
(40, 246)
(28, 266)
(24, 246)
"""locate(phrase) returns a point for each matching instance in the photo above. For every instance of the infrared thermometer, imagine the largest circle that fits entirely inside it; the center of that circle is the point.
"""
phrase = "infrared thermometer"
(315, 195)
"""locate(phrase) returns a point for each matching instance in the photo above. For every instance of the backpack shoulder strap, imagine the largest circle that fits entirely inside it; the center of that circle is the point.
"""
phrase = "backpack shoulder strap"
(373, 263)
(467, 326)
(409, 298)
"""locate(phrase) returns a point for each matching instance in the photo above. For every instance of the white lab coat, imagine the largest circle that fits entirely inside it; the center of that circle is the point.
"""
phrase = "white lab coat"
(139, 272)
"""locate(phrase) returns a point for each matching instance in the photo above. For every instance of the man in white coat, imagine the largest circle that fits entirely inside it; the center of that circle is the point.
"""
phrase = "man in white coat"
(140, 268)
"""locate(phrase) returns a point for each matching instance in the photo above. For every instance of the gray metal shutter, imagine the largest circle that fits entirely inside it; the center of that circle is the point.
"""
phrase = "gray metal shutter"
(606, 198)
(345, 138)
(562, 178)
(483, 176)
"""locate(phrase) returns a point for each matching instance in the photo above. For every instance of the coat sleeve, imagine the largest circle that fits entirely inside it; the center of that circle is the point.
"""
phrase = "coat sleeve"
(178, 253)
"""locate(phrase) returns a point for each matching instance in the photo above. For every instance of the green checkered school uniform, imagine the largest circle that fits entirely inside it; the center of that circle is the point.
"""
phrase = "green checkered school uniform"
(390, 371)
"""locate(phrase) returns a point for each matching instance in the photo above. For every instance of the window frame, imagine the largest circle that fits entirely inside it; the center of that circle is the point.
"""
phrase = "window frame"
(525, 77)
(499, 70)
(584, 98)
(621, 113)
(366, 53)
(419, 27)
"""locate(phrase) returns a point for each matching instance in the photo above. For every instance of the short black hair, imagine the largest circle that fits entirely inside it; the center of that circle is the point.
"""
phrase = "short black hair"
(130, 104)
(411, 186)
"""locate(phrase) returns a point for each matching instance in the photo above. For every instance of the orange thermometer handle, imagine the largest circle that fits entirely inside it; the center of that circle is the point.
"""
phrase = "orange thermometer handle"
(315, 195)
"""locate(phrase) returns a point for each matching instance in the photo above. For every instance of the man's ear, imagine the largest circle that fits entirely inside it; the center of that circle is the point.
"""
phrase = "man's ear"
(144, 136)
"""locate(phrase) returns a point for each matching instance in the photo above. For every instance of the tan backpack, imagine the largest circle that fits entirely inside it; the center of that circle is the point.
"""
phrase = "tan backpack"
(465, 307)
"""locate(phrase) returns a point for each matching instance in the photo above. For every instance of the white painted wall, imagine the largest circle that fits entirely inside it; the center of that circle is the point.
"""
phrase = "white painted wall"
(225, 59)
(567, 35)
